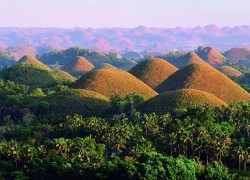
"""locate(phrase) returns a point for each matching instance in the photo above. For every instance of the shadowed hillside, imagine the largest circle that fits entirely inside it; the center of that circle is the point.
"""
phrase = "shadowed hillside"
(188, 59)
(153, 71)
(113, 81)
(205, 78)
(76, 101)
(180, 99)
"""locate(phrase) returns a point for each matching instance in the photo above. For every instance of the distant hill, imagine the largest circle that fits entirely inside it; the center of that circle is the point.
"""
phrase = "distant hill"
(78, 66)
(236, 54)
(205, 78)
(153, 71)
(181, 98)
(96, 58)
(76, 101)
(211, 55)
(21, 50)
(113, 81)
(172, 56)
(230, 71)
(129, 40)
(132, 55)
(127, 65)
(188, 59)
(30, 71)
(6, 59)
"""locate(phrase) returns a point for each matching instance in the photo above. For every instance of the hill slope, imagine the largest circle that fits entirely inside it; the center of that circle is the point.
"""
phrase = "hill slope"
(104, 66)
(236, 54)
(153, 71)
(211, 56)
(179, 99)
(28, 60)
(230, 71)
(79, 65)
(205, 78)
(188, 59)
(72, 101)
(60, 75)
(113, 81)
(31, 72)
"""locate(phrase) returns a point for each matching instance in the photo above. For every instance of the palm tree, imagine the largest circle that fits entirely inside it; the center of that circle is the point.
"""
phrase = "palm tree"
(240, 156)
(223, 147)
(14, 150)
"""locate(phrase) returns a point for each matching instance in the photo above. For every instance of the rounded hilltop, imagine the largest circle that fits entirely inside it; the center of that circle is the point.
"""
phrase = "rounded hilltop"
(211, 56)
(188, 59)
(205, 78)
(153, 71)
(79, 65)
(113, 81)
(180, 98)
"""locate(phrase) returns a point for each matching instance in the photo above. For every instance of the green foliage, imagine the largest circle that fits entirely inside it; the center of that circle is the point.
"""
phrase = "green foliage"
(38, 92)
(197, 142)
(157, 166)
(127, 104)
(216, 171)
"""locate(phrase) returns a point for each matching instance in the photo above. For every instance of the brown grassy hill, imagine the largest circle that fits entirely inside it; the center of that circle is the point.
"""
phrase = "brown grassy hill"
(72, 101)
(180, 99)
(205, 78)
(230, 71)
(211, 56)
(104, 66)
(236, 54)
(113, 81)
(187, 59)
(153, 71)
(78, 65)
(30, 60)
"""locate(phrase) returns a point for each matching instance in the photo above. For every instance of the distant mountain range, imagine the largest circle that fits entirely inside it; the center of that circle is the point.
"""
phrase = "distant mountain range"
(125, 40)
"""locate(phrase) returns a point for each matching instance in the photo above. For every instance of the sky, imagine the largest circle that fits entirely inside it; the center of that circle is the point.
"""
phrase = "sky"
(123, 13)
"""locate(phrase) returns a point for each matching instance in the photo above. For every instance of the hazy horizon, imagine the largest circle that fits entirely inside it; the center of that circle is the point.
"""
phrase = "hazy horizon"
(123, 13)
(188, 27)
